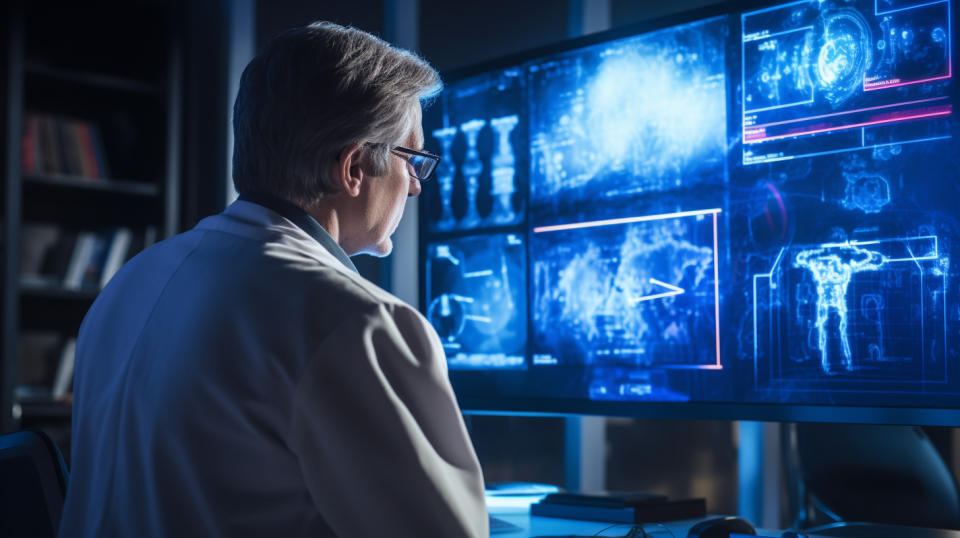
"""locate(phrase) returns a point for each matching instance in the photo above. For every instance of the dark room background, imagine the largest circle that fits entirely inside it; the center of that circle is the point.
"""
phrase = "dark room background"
(160, 77)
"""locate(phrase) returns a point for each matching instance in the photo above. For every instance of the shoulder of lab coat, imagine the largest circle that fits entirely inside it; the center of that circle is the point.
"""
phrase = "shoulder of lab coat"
(399, 461)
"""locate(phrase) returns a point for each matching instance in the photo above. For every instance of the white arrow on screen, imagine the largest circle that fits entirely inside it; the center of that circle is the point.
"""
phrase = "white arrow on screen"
(671, 291)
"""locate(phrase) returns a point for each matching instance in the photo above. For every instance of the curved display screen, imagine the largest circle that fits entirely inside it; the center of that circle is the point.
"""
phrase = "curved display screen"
(750, 208)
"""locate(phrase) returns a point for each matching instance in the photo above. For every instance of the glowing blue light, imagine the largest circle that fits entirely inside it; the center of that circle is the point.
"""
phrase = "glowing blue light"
(476, 300)
(642, 292)
(635, 116)
(613, 161)
(844, 55)
(866, 191)
(832, 269)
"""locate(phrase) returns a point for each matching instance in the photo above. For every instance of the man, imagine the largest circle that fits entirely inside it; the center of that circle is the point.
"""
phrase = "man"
(241, 379)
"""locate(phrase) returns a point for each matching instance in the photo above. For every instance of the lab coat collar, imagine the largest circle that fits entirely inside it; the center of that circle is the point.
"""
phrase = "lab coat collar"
(304, 221)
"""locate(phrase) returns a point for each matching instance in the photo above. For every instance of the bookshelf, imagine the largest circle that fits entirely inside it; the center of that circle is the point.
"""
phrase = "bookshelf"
(106, 185)
(91, 115)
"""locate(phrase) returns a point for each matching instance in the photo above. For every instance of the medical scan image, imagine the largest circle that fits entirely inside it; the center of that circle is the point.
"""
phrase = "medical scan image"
(639, 294)
(481, 179)
(852, 311)
(827, 77)
(619, 121)
(757, 207)
(851, 286)
(477, 300)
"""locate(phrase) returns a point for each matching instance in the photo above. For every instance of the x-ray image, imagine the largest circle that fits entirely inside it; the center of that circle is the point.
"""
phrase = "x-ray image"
(824, 77)
(481, 180)
(642, 294)
(852, 312)
(612, 123)
(477, 300)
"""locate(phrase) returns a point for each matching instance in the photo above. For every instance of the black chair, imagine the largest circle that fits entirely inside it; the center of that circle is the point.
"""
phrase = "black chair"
(889, 475)
(33, 485)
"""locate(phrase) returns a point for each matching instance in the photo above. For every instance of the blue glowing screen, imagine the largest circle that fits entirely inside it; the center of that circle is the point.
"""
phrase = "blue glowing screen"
(482, 179)
(761, 206)
(477, 300)
(620, 121)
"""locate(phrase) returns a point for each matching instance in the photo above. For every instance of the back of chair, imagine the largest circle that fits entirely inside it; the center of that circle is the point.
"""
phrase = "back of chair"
(878, 474)
(33, 484)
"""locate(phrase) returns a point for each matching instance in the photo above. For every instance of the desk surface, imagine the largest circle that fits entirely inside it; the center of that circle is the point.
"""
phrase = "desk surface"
(530, 526)
(516, 510)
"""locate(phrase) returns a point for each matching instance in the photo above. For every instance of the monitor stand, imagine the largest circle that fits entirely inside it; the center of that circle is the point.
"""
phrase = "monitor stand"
(759, 476)
(584, 459)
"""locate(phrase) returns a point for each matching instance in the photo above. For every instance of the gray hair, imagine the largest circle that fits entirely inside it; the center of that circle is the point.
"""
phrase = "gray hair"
(311, 93)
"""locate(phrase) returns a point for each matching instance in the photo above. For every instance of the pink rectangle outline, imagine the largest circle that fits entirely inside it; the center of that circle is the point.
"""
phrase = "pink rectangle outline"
(716, 290)
(716, 268)
(849, 112)
(948, 75)
(853, 126)
(625, 220)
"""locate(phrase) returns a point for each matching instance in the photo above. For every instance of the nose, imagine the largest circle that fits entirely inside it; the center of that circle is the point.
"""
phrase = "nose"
(414, 187)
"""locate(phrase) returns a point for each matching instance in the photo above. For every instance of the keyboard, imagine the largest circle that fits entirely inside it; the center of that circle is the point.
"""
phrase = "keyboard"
(499, 526)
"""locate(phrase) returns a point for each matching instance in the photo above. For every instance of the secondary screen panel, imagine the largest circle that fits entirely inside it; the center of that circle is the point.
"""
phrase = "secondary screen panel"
(756, 207)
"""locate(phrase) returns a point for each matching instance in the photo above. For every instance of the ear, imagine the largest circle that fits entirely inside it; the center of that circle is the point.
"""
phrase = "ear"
(348, 172)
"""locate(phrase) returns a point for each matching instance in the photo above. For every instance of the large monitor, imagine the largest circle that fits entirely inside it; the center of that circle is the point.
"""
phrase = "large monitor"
(741, 212)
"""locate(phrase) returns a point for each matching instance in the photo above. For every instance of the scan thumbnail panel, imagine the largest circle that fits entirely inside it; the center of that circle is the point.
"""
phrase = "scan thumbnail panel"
(831, 76)
(476, 300)
(482, 138)
(633, 296)
(612, 123)
(856, 316)
(846, 285)
(843, 214)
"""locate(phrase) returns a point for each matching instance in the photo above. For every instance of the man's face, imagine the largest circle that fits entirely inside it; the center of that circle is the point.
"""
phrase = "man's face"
(384, 196)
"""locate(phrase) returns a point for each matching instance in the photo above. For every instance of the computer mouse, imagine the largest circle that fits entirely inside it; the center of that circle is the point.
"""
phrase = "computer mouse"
(721, 527)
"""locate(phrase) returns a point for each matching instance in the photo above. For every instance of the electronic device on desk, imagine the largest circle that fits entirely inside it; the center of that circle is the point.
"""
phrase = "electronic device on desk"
(741, 212)
(499, 526)
(721, 527)
(622, 508)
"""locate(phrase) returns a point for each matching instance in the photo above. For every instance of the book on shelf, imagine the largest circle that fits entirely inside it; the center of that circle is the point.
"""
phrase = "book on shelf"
(63, 378)
(77, 260)
(46, 361)
(116, 254)
(61, 145)
(81, 258)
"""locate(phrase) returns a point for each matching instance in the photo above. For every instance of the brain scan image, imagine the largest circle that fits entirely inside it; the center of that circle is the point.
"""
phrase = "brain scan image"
(826, 77)
(844, 52)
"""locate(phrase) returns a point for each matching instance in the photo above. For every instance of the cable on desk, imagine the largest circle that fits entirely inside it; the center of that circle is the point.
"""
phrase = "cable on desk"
(636, 531)
(605, 529)
(666, 528)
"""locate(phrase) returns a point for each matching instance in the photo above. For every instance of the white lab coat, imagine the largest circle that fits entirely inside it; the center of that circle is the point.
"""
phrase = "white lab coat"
(240, 380)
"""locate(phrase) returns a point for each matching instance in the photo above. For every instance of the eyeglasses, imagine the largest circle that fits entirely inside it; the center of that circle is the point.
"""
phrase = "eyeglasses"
(420, 164)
